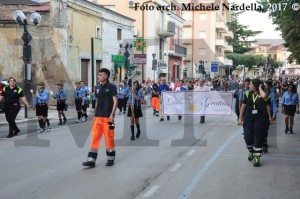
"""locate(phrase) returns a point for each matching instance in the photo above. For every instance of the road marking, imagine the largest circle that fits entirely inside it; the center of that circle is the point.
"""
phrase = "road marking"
(190, 187)
(175, 167)
(151, 191)
(264, 157)
(191, 152)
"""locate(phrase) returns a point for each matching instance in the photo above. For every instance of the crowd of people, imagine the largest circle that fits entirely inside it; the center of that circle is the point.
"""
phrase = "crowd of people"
(257, 103)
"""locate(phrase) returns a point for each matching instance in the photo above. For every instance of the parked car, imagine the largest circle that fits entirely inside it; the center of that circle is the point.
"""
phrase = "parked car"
(3, 83)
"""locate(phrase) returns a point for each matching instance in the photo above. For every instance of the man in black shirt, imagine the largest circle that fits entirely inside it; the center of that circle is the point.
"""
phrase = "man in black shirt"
(105, 108)
(155, 98)
(11, 95)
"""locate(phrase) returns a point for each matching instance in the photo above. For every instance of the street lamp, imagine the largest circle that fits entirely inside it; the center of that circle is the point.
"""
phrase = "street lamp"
(20, 18)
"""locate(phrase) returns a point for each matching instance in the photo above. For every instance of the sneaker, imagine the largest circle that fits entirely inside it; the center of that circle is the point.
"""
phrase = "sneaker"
(124, 112)
(65, 121)
(256, 161)
(162, 119)
(78, 121)
(41, 130)
(291, 131)
(157, 114)
(250, 156)
(89, 164)
(110, 163)
(154, 112)
(82, 119)
(10, 136)
(48, 128)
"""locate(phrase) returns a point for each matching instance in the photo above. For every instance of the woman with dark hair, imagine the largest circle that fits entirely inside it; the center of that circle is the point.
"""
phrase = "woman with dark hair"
(134, 109)
(255, 119)
(290, 104)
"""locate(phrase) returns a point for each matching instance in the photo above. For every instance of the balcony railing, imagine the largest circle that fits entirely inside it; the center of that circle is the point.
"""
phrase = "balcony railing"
(168, 29)
(180, 50)
(221, 26)
(220, 42)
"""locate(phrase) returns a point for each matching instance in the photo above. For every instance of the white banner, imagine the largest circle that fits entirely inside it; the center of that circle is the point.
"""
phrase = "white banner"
(197, 103)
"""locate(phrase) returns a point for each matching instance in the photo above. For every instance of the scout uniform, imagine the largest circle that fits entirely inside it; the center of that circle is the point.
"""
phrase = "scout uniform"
(61, 97)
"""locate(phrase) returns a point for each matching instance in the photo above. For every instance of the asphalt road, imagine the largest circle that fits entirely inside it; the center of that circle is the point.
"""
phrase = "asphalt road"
(212, 166)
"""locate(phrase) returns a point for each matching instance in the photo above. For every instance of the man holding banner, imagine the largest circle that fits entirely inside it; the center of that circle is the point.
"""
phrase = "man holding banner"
(163, 87)
(203, 88)
(181, 89)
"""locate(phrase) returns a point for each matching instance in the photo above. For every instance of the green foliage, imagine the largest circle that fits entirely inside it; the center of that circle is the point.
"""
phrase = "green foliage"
(251, 60)
(287, 21)
(241, 43)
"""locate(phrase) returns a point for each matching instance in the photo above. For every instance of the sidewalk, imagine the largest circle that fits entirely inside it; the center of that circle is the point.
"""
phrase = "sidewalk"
(52, 114)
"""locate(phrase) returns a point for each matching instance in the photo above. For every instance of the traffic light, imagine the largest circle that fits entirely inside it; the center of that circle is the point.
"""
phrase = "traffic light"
(154, 64)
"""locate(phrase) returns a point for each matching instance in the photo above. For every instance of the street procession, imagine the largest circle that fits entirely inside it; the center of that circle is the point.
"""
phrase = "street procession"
(149, 99)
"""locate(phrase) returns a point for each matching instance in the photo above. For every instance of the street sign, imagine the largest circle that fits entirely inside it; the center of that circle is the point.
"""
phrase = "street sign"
(162, 65)
(214, 67)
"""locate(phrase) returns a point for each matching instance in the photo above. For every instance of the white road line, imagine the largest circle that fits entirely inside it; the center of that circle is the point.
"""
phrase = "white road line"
(191, 152)
(151, 191)
(175, 167)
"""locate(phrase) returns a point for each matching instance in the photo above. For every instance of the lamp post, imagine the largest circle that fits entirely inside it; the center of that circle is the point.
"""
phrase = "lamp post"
(20, 18)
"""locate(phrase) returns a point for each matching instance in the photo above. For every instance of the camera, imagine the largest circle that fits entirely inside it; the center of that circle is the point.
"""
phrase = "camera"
(111, 125)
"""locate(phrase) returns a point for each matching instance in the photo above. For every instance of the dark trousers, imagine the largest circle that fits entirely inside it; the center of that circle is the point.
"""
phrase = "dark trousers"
(125, 103)
(254, 132)
(120, 104)
(11, 114)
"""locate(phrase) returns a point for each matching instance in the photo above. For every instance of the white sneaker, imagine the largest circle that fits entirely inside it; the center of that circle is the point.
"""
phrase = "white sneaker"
(48, 128)
(78, 121)
(83, 119)
(41, 130)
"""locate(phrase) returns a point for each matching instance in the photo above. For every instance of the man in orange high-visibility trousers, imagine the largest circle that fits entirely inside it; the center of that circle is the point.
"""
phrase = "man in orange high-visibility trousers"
(155, 98)
(103, 124)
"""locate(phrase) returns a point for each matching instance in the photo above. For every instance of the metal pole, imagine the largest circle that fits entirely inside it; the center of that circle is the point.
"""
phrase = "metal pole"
(26, 38)
(93, 61)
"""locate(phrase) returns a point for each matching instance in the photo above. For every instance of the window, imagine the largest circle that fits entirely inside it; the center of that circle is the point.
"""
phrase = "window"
(85, 71)
(98, 32)
(119, 36)
(275, 56)
(202, 16)
(202, 34)
(202, 51)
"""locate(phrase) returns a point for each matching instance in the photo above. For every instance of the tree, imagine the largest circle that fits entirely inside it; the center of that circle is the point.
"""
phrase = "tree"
(287, 21)
(241, 43)
(251, 60)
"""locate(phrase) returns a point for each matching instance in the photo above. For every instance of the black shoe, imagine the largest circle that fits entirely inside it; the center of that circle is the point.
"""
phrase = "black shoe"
(60, 122)
(89, 164)
(16, 132)
(265, 149)
(286, 131)
(138, 133)
(162, 119)
(10, 136)
(110, 163)
(168, 117)
(132, 138)
(65, 121)
(201, 121)
(291, 131)
(256, 162)
(154, 112)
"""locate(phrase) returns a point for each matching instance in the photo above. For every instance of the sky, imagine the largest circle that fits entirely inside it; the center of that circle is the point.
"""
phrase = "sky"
(258, 21)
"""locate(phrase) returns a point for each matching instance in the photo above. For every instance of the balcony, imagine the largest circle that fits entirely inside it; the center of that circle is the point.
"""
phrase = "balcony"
(229, 48)
(168, 29)
(187, 41)
(220, 43)
(180, 51)
(229, 35)
(221, 26)
(188, 23)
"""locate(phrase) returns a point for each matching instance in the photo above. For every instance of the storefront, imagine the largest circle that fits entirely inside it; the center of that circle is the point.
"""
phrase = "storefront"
(119, 67)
